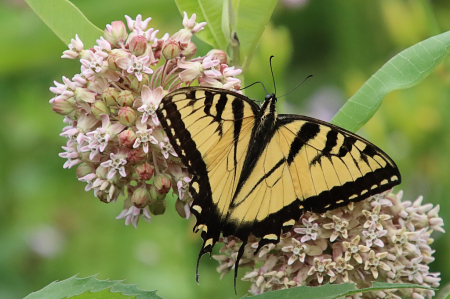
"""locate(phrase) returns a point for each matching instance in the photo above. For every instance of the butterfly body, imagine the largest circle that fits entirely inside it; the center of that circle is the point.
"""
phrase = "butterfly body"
(256, 172)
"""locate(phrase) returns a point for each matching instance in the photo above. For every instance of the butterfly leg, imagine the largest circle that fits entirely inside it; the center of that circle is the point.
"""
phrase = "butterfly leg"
(236, 264)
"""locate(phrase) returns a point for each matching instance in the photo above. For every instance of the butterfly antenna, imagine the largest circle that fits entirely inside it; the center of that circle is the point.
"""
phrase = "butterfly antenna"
(254, 84)
(273, 77)
(309, 76)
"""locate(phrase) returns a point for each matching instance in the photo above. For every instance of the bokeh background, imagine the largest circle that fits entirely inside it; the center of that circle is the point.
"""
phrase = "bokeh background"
(51, 229)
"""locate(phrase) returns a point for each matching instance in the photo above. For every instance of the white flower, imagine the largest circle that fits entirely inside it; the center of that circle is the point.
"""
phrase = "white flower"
(92, 66)
(190, 24)
(143, 136)
(183, 186)
(75, 48)
(99, 138)
(195, 69)
(150, 102)
(72, 156)
(138, 24)
(116, 163)
(136, 66)
(132, 215)
(167, 148)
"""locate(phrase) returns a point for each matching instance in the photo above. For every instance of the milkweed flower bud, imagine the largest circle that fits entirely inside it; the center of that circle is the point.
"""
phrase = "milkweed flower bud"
(219, 55)
(189, 50)
(63, 106)
(84, 95)
(144, 171)
(137, 155)
(84, 169)
(100, 108)
(125, 98)
(127, 138)
(127, 116)
(141, 197)
(110, 96)
(162, 183)
(138, 45)
(170, 49)
(136, 84)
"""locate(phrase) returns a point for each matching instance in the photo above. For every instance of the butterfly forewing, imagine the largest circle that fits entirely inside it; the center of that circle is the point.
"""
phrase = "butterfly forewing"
(210, 131)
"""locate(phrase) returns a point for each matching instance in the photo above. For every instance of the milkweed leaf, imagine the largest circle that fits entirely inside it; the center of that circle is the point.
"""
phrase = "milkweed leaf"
(65, 20)
(404, 70)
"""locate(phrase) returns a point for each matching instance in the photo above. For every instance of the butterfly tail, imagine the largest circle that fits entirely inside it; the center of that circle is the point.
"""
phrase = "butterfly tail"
(207, 247)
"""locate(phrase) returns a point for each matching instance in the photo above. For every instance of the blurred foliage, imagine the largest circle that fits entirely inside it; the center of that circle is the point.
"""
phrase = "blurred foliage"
(50, 228)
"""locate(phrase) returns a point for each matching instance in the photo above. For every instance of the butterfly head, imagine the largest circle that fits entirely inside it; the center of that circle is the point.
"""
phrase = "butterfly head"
(270, 97)
(268, 109)
(269, 104)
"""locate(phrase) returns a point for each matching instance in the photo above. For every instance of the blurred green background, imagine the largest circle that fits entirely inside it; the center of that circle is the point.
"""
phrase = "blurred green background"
(51, 229)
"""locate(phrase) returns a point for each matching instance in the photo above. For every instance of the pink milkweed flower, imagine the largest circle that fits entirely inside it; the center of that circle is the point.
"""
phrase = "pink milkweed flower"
(116, 33)
(167, 148)
(120, 62)
(93, 66)
(135, 65)
(72, 156)
(100, 137)
(183, 186)
(116, 163)
(89, 178)
(150, 35)
(75, 48)
(150, 102)
(104, 47)
(184, 35)
(190, 24)
(195, 69)
(143, 136)
(63, 91)
(132, 214)
(138, 24)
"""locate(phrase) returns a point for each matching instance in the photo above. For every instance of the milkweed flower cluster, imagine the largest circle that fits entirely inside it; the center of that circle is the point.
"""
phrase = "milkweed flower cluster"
(379, 239)
(113, 134)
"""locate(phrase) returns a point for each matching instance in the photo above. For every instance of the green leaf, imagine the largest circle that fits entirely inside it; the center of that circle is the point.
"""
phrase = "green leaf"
(91, 287)
(66, 20)
(404, 70)
(252, 17)
(209, 11)
(332, 291)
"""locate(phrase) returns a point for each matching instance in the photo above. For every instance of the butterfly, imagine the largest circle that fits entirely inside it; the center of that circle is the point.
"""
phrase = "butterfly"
(255, 172)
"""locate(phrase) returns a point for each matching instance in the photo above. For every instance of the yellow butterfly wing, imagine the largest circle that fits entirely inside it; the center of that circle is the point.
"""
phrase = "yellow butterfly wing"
(241, 186)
